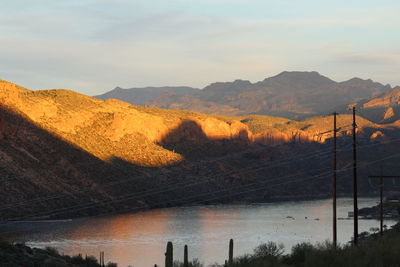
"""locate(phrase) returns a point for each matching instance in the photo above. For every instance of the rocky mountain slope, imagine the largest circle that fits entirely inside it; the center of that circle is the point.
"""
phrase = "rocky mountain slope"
(294, 95)
(384, 108)
(64, 154)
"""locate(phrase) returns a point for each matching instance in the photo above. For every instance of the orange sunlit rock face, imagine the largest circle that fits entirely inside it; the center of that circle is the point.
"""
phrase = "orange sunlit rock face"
(114, 129)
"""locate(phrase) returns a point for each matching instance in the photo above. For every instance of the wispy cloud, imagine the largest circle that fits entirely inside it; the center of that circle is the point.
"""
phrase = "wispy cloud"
(94, 45)
(368, 59)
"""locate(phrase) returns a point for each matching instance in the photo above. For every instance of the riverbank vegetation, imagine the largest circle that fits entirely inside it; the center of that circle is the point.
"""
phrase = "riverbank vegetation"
(373, 250)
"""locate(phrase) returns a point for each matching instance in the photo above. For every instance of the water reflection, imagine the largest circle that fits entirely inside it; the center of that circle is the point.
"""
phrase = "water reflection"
(140, 239)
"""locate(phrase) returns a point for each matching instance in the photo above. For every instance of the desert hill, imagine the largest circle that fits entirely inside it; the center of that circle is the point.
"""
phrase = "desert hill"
(294, 95)
(64, 154)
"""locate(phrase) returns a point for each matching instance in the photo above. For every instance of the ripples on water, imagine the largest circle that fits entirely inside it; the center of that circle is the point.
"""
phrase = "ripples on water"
(140, 239)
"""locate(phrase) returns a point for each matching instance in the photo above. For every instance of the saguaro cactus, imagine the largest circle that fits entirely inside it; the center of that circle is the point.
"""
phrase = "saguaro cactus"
(185, 257)
(169, 256)
(101, 259)
(230, 261)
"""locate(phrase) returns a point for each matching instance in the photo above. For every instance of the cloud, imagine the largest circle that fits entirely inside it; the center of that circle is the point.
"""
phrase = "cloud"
(94, 45)
(368, 59)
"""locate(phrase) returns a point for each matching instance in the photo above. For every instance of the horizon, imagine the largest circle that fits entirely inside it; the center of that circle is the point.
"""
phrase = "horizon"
(393, 86)
(254, 82)
(94, 46)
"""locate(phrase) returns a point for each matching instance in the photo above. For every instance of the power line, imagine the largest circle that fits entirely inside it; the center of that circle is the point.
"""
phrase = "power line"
(138, 208)
(137, 178)
(56, 196)
(126, 180)
(127, 197)
(124, 198)
(177, 186)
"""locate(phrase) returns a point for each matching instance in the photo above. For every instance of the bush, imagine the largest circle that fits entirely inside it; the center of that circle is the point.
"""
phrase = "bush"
(269, 249)
(298, 254)
(194, 263)
(52, 251)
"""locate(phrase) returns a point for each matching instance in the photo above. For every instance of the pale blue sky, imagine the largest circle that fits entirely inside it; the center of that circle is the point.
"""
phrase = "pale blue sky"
(91, 46)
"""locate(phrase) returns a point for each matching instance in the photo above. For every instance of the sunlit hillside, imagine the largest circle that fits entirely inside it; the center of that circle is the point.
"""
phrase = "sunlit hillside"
(115, 129)
(88, 151)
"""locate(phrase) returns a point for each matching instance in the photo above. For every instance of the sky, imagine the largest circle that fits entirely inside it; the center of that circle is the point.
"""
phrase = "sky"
(92, 46)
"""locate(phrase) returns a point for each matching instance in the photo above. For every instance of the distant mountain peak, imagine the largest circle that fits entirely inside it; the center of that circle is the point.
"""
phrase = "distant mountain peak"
(357, 79)
(238, 83)
(299, 75)
(315, 73)
(366, 83)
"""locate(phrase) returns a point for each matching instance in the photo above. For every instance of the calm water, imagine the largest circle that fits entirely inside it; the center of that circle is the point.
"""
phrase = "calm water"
(140, 239)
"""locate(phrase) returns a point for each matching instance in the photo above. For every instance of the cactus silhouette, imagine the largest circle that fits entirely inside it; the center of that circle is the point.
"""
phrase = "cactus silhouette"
(185, 257)
(230, 261)
(169, 257)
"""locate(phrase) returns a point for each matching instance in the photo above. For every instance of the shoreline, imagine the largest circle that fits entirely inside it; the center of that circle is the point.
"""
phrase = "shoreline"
(278, 199)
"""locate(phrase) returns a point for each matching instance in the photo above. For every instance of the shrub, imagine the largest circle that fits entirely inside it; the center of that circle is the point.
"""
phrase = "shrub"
(52, 251)
(298, 254)
(269, 249)
(194, 263)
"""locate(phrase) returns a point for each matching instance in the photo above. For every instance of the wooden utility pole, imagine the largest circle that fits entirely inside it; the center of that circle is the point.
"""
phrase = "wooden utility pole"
(355, 200)
(381, 177)
(334, 225)
(381, 201)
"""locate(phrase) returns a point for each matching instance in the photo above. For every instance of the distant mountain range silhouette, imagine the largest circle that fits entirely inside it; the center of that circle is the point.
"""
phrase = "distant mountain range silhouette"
(293, 95)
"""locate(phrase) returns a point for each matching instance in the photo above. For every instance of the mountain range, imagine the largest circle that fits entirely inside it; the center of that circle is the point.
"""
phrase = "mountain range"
(293, 95)
(64, 154)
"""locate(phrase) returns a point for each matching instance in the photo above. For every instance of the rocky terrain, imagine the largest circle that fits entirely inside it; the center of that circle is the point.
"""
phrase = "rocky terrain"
(293, 95)
(384, 108)
(64, 154)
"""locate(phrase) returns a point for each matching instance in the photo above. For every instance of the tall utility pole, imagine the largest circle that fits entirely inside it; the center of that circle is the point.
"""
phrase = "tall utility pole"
(381, 176)
(334, 183)
(355, 178)
(381, 199)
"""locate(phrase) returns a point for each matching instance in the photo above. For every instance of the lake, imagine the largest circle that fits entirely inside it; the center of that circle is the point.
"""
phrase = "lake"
(140, 239)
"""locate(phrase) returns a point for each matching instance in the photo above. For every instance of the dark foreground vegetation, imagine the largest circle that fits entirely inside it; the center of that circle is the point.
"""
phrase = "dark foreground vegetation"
(19, 255)
(373, 251)
(380, 252)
